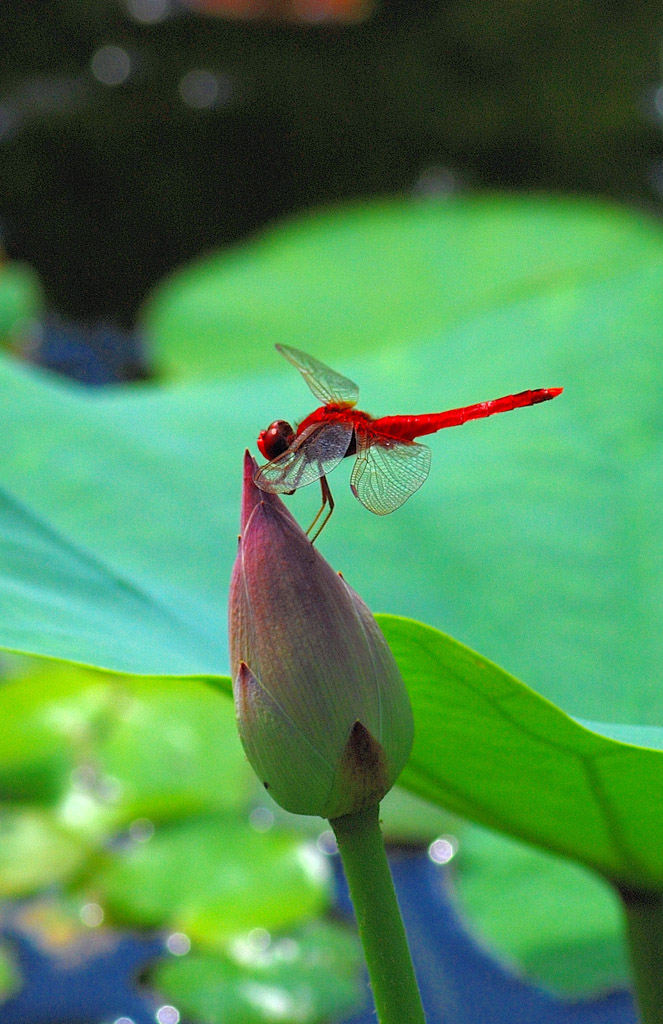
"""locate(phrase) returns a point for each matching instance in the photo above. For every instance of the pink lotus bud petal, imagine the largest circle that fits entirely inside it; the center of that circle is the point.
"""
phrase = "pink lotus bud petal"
(322, 710)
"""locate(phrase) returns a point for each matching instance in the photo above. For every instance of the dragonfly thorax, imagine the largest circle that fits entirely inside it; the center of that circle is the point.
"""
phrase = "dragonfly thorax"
(276, 439)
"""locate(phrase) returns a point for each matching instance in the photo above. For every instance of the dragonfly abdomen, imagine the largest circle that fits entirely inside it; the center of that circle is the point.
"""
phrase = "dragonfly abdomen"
(407, 428)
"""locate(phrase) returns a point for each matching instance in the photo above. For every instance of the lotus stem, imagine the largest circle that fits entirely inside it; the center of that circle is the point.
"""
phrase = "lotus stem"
(644, 929)
(381, 930)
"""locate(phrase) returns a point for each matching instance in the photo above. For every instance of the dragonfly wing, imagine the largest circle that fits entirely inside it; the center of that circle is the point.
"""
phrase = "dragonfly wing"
(327, 385)
(387, 471)
(313, 454)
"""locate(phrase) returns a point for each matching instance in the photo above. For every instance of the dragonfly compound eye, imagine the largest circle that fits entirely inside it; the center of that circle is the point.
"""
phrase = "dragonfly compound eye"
(276, 439)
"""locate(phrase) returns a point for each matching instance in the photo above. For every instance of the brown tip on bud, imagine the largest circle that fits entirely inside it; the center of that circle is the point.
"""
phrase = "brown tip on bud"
(363, 767)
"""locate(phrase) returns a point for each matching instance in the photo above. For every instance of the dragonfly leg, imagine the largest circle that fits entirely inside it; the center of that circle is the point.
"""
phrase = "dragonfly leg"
(327, 501)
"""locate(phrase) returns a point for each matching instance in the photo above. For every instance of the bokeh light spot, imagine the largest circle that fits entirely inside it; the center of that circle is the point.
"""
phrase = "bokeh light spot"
(273, 1002)
(148, 12)
(315, 866)
(111, 65)
(167, 1015)
(178, 944)
(78, 809)
(261, 819)
(141, 830)
(202, 90)
(327, 844)
(441, 850)
(91, 914)
(435, 183)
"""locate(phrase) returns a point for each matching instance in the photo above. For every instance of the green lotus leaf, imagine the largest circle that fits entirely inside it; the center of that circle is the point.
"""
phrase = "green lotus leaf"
(214, 878)
(35, 851)
(113, 748)
(307, 977)
(490, 749)
(550, 920)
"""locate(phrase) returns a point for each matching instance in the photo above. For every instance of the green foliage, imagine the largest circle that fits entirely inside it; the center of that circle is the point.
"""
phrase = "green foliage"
(115, 579)
(36, 852)
(516, 762)
(396, 274)
(116, 741)
(536, 538)
(134, 793)
(550, 919)
(213, 879)
(408, 820)
(306, 978)
(491, 749)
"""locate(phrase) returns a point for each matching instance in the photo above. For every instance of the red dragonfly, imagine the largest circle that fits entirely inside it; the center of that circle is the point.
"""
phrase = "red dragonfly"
(390, 465)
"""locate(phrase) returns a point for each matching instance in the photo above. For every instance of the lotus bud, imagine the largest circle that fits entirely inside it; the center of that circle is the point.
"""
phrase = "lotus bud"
(322, 710)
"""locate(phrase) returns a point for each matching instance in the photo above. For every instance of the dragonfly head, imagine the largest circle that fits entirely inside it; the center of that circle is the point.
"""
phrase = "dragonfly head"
(276, 439)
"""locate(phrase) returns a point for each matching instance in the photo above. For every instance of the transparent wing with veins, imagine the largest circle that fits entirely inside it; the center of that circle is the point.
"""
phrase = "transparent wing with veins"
(313, 454)
(387, 472)
(328, 386)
